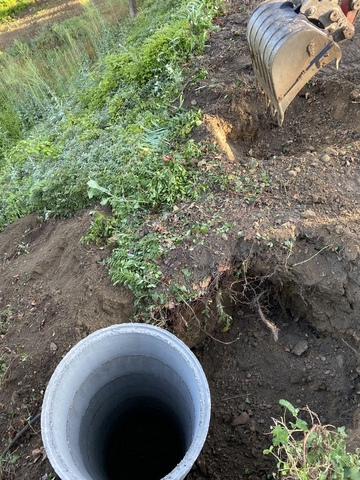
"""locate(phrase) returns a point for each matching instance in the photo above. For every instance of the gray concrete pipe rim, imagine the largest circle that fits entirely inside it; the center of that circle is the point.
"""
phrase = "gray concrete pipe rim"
(75, 369)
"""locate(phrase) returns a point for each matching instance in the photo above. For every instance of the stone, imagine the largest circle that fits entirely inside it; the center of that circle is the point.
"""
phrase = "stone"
(340, 361)
(242, 419)
(355, 95)
(308, 214)
(300, 348)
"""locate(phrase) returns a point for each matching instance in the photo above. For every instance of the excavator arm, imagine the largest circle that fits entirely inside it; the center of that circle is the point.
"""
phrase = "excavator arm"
(290, 41)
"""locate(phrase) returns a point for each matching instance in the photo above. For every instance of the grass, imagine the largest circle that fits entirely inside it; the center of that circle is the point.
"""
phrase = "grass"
(2, 367)
(10, 7)
(92, 112)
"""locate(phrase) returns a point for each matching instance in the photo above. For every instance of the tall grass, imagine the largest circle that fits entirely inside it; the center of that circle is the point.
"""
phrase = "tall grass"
(9, 7)
(33, 76)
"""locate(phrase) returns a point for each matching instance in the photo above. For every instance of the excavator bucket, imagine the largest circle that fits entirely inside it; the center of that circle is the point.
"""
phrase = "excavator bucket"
(287, 51)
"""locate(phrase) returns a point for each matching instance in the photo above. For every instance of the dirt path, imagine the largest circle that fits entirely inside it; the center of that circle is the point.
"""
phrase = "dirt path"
(30, 22)
(38, 17)
(300, 240)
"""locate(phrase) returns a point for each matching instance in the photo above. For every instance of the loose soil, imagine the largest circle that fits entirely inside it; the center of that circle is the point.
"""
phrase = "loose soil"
(297, 248)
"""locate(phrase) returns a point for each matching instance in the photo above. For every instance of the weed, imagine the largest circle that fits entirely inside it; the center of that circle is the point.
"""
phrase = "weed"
(308, 450)
(22, 248)
(101, 229)
(2, 367)
(250, 187)
(7, 465)
(289, 246)
(5, 316)
(202, 74)
(223, 317)
(88, 114)
(226, 227)
(133, 263)
(21, 353)
(186, 272)
(199, 16)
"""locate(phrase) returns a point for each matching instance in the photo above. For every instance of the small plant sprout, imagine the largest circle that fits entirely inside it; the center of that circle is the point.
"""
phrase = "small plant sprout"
(5, 317)
(2, 368)
(7, 465)
(309, 450)
(223, 317)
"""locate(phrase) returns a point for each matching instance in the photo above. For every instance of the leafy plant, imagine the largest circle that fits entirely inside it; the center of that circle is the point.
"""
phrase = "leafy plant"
(92, 112)
(223, 317)
(133, 263)
(5, 316)
(309, 450)
(3, 370)
(101, 229)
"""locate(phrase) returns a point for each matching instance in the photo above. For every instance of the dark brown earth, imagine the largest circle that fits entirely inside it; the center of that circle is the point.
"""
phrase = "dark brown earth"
(295, 249)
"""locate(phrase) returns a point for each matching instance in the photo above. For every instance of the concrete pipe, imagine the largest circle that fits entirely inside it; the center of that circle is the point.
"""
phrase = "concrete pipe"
(130, 402)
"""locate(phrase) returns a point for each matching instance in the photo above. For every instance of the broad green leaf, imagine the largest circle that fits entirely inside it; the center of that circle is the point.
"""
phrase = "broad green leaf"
(95, 186)
(301, 424)
(280, 435)
(341, 431)
(289, 406)
(267, 451)
(352, 472)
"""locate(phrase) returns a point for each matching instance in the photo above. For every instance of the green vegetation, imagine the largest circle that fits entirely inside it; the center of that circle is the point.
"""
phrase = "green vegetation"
(5, 317)
(7, 465)
(3, 370)
(308, 450)
(9, 7)
(92, 112)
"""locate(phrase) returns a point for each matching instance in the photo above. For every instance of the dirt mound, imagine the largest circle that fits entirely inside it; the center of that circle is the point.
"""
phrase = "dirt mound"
(298, 244)
(53, 292)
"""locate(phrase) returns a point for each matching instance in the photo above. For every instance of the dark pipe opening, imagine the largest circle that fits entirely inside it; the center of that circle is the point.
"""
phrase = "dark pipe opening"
(131, 431)
(144, 444)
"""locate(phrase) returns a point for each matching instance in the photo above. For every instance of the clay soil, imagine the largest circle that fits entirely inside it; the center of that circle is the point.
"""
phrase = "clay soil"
(297, 247)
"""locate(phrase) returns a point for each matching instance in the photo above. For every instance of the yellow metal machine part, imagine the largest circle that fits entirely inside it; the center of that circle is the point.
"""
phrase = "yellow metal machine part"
(287, 50)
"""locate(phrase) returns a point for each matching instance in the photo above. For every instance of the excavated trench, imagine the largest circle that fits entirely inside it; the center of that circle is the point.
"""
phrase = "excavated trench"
(319, 285)
(313, 299)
